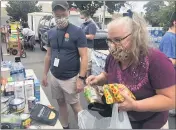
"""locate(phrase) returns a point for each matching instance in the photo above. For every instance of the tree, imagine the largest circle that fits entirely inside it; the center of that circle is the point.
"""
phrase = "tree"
(19, 9)
(114, 6)
(165, 14)
(92, 6)
(86, 5)
(159, 13)
(152, 8)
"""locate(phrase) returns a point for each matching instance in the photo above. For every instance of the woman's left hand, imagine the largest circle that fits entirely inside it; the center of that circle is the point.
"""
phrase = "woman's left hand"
(129, 103)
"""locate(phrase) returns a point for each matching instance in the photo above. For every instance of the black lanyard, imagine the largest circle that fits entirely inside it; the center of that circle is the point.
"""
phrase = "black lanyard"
(63, 38)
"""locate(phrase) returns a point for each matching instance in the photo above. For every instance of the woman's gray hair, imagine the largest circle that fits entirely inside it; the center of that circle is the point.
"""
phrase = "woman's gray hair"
(140, 36)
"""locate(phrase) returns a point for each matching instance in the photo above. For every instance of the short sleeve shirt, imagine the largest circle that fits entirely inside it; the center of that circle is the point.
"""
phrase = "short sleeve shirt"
(64, 45)
(154, 71)
(89, 28)
(168, 45)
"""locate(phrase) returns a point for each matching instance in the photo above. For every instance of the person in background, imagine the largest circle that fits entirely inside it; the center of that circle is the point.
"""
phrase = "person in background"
(90, 30)
(27, 32)
(66, 46)
(2, 34)
(168, 45)
(145, 71)
(7, 31)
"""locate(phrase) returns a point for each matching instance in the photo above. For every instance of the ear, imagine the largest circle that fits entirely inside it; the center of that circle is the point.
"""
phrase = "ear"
(174, 23)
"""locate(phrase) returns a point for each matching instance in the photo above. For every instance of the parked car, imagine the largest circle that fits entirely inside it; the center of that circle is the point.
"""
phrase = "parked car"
(47, 22)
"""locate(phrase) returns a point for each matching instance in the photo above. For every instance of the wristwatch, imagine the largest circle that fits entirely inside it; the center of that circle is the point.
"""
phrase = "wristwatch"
(82, 78)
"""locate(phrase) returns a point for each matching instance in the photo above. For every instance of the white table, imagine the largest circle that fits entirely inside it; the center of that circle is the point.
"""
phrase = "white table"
(43, 100)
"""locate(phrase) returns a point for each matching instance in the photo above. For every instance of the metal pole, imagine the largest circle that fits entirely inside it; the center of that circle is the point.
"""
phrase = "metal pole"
(104, 10)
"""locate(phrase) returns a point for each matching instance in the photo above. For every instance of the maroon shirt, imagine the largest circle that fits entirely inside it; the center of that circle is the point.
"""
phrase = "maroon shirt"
(154, 71)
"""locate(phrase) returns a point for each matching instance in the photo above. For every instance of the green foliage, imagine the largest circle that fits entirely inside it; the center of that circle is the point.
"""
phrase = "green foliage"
(158, 13)
(114, 6)
(92, 6)
(152, 8)
(19, 9)
(165, 14)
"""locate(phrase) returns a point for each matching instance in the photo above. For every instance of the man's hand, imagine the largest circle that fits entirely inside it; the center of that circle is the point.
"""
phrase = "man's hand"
(44, 81)
(79, 85)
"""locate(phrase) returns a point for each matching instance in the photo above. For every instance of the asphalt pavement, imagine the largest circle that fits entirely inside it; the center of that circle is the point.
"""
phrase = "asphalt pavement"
(35, 61)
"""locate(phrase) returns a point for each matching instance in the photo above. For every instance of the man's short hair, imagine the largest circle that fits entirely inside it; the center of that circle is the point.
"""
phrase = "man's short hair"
(85, 13)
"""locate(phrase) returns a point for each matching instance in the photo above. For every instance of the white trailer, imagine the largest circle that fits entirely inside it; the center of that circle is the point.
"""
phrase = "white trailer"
(33, 21)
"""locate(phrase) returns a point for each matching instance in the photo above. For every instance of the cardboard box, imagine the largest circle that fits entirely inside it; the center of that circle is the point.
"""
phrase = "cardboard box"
(37, 90)
(29, 89)
(19, 89)
(9, 89)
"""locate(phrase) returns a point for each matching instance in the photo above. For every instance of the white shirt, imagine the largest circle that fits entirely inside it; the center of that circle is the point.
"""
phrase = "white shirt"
(28, 32)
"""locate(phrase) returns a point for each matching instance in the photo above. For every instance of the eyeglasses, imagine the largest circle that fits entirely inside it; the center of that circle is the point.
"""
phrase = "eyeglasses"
(116, 40)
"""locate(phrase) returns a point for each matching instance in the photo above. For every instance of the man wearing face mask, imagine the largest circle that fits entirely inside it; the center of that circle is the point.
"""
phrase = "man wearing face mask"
(90, 29)
(66, 45)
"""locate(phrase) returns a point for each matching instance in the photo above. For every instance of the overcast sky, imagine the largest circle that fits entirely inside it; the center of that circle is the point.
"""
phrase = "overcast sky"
(137, 5)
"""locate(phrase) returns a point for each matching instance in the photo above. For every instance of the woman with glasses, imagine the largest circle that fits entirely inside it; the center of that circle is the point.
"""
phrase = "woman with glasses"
(147, 72)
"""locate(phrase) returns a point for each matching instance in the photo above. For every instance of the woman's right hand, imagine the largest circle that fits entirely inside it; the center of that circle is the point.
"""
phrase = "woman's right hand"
(92, 80)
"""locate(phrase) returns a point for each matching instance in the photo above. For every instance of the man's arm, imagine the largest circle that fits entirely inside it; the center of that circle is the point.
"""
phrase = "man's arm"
(90, 36)
(47, 61)
(84, 61)
(82, 49)
(92, 32)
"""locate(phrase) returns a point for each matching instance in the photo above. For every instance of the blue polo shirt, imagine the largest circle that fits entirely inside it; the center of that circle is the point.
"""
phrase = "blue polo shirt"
(89, 28)
(64, 45)
(168, 45)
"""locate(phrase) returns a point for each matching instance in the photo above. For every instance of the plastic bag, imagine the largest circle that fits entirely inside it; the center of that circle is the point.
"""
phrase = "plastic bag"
(119, 120)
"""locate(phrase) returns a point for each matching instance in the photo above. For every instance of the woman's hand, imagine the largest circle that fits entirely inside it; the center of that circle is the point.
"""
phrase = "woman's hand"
(92, 80)
(129, 103)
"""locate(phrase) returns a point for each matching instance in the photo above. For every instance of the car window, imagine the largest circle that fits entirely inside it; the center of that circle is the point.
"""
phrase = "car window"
(42, 21)
(47, 21)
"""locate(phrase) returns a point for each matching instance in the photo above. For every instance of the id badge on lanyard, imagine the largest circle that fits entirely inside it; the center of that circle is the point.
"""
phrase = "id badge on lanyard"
(57, 60)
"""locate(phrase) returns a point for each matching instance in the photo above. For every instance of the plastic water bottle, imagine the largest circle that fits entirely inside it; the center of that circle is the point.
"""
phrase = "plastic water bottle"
(18, 70)
(13, 72)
